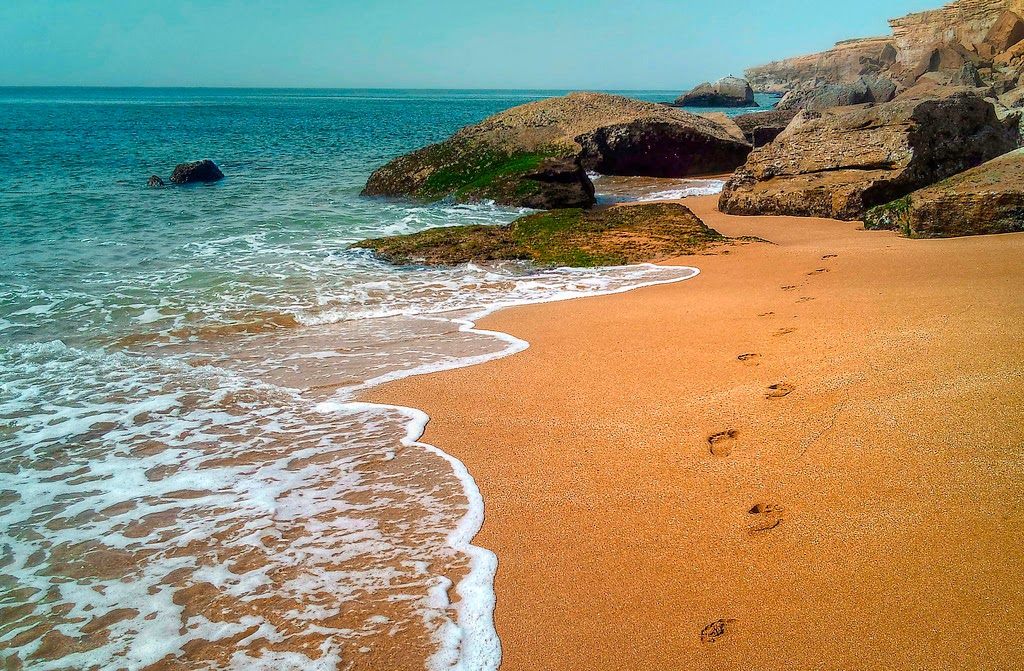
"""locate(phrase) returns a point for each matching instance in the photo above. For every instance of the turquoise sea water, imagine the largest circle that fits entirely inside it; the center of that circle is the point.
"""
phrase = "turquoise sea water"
(184, 480)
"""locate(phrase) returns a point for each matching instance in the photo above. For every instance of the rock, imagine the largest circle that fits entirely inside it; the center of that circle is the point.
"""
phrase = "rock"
(197, 171)
(564, 183)
(944, 39)
(842, 161)
(568, 237)
(847, 62)
(987, 199)
(760, 128)
(1007, 31)
(155, 181)
(503, 158)
(864, 90)
(727, 124)
(726, 92)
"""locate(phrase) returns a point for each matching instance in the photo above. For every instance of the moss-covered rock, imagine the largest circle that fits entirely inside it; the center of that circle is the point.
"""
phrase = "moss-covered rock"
(987, 199)
(536, 155)
(573, 237)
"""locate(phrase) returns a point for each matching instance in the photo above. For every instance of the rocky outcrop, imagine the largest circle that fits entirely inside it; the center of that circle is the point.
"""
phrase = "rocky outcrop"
(864, 90)
(842, 161)
(760, 128)
(986, 199)
(561, 183)
(846, 63)
(976, 43)
(155, 182)
(726, 92)
(503, 158)
(570, 237)
(196, 171)
(727, 124)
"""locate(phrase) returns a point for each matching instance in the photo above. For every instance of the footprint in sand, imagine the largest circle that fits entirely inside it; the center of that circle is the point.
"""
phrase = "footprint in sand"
(749, 358)
(766, 314)
(829, 256)
(780, 390)
(805, 299)
(765, 517)
(721, 443)
(784, 331)
(716, 630)
(818, 271)
(789, 287)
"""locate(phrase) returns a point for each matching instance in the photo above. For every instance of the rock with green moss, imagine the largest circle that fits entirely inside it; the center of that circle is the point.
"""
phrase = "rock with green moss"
(987, 199)
(536, 155)
(573, 237)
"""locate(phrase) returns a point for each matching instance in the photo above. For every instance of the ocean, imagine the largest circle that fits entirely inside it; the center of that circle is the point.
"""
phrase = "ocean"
(187, 477)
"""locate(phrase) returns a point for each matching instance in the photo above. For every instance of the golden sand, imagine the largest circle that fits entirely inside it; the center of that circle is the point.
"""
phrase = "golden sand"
(809, 457)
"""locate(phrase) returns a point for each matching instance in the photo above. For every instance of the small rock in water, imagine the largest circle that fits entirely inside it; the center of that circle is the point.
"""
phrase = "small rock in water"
(197, 171)
(155, 181)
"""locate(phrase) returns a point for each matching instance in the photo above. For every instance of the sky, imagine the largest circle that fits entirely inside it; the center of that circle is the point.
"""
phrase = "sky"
(549, 44)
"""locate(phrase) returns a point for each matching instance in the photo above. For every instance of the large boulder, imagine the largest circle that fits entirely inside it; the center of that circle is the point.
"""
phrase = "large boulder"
(842, 161)
(864, 90)
(760, 128)
(986, 199)
(509, 157)
(726, 92)
(569, 237)
(196, 171)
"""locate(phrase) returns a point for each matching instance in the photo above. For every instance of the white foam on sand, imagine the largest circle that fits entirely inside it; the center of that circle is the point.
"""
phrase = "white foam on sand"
(471, 643)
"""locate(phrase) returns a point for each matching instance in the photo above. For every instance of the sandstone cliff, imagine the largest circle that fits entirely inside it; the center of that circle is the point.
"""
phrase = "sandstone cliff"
(965, 25)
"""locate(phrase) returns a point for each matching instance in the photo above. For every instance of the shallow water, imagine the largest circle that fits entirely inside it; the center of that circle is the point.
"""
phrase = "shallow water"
(185, 479)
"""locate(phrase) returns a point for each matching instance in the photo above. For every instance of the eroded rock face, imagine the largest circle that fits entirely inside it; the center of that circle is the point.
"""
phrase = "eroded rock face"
(568, 237)
(507, 157)
(196, 171)
(726, 92)
(760, 128)
(840, 162)
(651, 148)
(964, 43)
(986, 199)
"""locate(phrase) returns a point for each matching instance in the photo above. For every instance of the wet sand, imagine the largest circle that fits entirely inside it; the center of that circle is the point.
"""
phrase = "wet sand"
(861, 507)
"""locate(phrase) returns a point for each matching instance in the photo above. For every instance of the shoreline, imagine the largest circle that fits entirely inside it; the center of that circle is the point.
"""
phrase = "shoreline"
(662, 543)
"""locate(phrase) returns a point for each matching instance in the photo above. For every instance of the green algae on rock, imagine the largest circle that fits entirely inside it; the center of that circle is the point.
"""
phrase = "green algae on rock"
(536, 155)
(987, 199)
(571, 237)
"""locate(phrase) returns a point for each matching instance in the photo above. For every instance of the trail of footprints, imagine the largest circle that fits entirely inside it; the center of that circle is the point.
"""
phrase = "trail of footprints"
(762, 517)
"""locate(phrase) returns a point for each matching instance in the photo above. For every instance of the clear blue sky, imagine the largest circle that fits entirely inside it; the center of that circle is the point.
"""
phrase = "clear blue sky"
(600, 44)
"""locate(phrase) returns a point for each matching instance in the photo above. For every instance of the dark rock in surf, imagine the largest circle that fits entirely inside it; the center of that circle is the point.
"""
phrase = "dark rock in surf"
(196, 171)
(155, 182)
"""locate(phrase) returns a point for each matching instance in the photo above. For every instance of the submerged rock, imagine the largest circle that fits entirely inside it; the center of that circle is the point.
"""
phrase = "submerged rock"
(726, 92)
(986, 199)
(196, 171)
(840, 162)
(507, 157)
(568, 237)
(155, 181)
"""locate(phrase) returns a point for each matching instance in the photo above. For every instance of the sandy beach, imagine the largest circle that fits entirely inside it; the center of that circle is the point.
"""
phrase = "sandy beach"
(859, 507)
